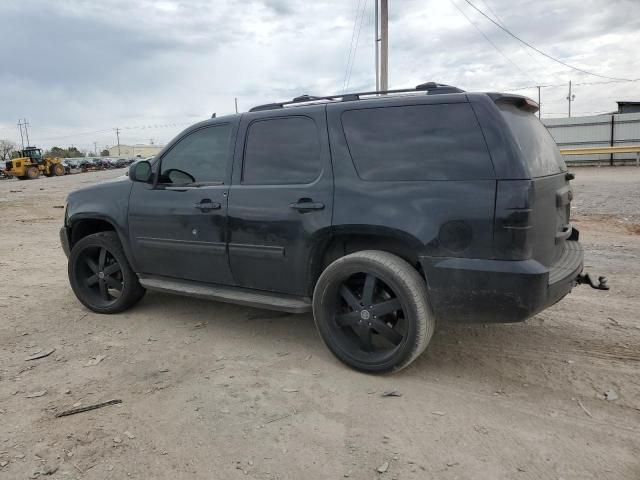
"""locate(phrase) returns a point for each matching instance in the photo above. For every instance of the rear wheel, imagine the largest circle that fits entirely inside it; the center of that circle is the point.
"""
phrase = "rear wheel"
(371, 310)
(33, 173)
(57, 169)
(101, 276)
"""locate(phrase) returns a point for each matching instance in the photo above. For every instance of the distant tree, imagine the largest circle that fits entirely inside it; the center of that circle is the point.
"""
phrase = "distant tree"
(104, 153)
(73, 152)
(6, 149)
(56, 152)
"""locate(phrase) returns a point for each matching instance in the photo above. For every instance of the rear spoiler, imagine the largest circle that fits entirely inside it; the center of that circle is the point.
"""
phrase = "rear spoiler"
(523, 103)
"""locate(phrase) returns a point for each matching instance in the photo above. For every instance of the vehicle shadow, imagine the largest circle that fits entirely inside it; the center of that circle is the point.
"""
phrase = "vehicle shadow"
(452, 347)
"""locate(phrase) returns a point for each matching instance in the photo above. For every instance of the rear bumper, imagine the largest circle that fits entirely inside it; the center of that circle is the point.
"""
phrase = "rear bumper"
(64, 240)
(478, 290)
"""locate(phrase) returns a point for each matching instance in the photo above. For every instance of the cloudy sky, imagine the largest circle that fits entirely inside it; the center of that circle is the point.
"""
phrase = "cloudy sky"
(76, 69)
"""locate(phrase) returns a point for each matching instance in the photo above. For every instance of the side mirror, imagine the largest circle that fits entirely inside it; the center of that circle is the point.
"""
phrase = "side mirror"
(141, 172)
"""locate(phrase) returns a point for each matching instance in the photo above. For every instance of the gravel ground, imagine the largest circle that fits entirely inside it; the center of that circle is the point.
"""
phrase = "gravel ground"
(211, 390)
(607, 191)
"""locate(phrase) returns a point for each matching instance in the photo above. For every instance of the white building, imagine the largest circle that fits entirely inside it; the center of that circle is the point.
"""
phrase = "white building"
(134, 151)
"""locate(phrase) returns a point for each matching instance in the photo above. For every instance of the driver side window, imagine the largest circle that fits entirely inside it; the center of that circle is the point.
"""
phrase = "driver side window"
(200, 157)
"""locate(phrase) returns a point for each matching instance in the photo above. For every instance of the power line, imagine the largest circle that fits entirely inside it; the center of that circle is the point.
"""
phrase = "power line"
(564, 85)
(538, 50)
(490, 41)
(77, 134)
(355, 48)
(353, 36)
(499, 20)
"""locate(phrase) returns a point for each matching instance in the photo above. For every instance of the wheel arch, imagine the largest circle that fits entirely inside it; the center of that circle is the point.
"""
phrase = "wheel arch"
(347, 239)
(82, 225)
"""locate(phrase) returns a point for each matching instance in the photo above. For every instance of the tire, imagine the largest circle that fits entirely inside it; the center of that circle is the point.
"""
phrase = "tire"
(351, 329)
(22, 177)
(117, 289)
(57, 170)
(33, 173)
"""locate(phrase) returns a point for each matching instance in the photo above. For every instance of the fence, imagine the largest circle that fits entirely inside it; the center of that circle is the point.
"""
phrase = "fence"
(615, 130)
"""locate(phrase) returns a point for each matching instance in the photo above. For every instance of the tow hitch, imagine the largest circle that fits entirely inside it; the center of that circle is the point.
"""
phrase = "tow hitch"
(586, 278)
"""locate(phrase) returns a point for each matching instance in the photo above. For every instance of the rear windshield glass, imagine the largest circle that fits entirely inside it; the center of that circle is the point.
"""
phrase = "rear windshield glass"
(537, 144)
(417, 142)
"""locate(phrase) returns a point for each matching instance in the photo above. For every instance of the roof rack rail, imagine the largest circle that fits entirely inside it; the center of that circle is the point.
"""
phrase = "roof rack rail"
(429, 87)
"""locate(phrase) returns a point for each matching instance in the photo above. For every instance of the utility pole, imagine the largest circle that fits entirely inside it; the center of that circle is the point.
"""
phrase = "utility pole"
(377, 46)
(236, 100)
(26, 130)
(570, 98)
(118, 137)
(384, 45)
(21, 137)
(539, 104)
(95, 148)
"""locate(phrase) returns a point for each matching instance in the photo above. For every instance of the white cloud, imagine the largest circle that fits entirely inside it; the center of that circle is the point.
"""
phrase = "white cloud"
(75, 66)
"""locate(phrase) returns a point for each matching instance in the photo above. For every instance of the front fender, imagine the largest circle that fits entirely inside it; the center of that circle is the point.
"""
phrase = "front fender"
(108, 202)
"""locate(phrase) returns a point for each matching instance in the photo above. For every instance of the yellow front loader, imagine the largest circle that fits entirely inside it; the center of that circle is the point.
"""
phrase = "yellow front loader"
(30, 164)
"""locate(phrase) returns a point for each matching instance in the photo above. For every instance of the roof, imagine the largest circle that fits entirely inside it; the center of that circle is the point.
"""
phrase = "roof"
(626, 102)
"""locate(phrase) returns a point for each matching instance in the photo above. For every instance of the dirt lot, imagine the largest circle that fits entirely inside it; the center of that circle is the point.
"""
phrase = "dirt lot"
(212, 391)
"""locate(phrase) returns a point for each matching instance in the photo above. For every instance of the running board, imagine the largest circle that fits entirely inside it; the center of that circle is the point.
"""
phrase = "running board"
(239, 296)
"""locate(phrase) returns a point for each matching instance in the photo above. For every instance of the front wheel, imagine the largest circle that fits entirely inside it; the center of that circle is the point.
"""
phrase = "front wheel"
(101, 276)
(372, 312)
(57, 170)
(33, 173)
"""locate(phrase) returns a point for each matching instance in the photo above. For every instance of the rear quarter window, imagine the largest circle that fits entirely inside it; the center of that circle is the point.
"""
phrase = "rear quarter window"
(536, 143)
(417, 142)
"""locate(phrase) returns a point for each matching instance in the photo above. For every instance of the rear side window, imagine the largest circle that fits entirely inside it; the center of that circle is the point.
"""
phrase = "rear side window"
(281, 151)
(538, 146)
(417, 142)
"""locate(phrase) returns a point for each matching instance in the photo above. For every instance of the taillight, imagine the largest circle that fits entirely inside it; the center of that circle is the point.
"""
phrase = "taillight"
(513, 231)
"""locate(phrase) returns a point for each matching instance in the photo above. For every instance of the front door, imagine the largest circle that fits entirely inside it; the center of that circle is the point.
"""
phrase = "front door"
(281, 198)
(178, 225)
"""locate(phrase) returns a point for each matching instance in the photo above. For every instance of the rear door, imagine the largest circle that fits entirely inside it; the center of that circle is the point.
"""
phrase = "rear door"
(550, 191)
(281, 199)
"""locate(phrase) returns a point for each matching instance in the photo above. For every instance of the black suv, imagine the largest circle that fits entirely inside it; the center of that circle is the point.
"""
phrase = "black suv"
(382, 213)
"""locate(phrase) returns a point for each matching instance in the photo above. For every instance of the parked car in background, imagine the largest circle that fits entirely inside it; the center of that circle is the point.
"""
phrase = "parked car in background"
(93, 164)
(67, 167)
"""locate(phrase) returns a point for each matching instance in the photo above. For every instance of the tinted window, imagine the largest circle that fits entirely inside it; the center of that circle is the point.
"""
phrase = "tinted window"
(200, 157)
(282, 150)
(537, 144)
(418, 142)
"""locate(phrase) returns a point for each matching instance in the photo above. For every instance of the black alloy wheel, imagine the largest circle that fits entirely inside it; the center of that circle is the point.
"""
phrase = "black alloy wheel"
(101, 276)
(369, 318)
(372, 312)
